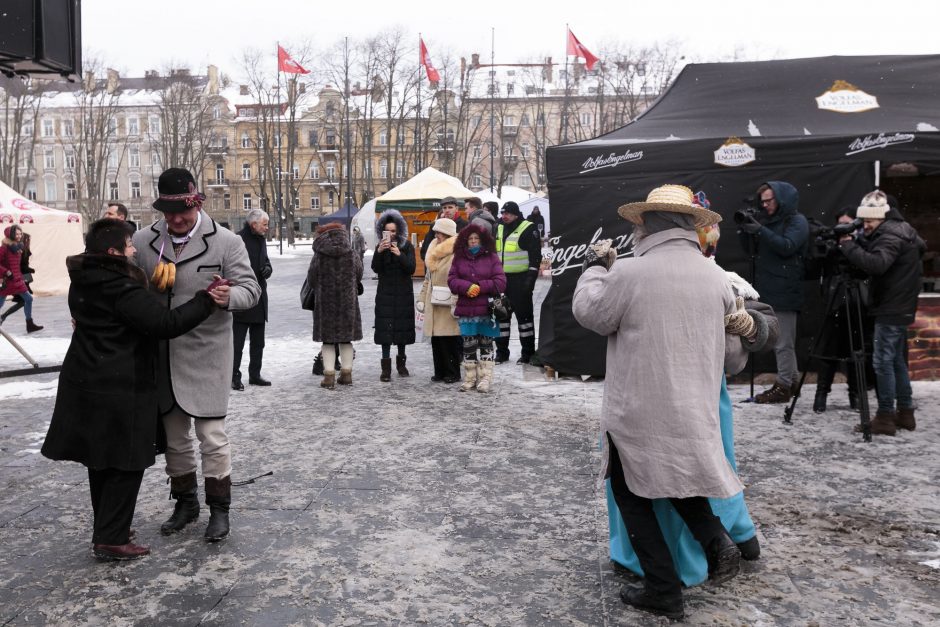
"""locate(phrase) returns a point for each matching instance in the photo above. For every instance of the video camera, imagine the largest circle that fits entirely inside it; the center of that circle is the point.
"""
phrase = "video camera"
(748, 212)
(825, 238)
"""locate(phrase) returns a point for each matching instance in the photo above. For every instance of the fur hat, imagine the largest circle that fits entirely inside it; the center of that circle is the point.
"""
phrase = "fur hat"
(446, 226)
(672, 198)
(511, 208)
(178, 193)
(874, 206)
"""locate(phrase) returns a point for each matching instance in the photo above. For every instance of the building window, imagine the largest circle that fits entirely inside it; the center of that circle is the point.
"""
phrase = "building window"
(216, 112)
(477, 151)
(313, 139)
(314, 201)
(49, 158)
(277, 141)
(246, 171)
(402, 136)
(156, 160)
(525, 151)
(133, 157)
(154, 125)
(345, 170)
(246, 202)
(112, 126)
(331, 198)
(367, 169)
(315, 171)
(475, 121)
(477, 180)
(525, 180)
(70, 192)
(509, 120)
(383, 169)
(510, 88)
(524, 120)
(400, 170)
(383, 138)
(510, 178)
(133, 126)
(69, 160)
(227, 202)
(295, 172)
(330, 170)
(585, 119)
(246, 141)
(296, 202)
(27, 129)
(48, 128)
(31, 193)
(507, 150)
(113, 193)
(540, 119)
(219, 172)
(68, 128)
(50, 190)
(135, 189)
(112, 158)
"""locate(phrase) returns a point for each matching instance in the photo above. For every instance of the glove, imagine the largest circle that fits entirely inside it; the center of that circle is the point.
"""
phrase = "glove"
(740, 322)
(474, 291)
(420, 306)
(751, 227)
(600, 254)
(266, 271)
(530, 278)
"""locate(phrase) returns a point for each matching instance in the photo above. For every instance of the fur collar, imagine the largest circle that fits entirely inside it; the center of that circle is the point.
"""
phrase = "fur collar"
(439, 252)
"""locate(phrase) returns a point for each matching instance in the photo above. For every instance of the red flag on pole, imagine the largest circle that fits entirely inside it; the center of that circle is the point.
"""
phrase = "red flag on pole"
(577, 49)
(287, 65)
(433, 74)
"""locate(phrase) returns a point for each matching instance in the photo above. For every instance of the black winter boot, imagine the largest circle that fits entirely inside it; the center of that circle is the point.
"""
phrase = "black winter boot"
(218, 498)
(186, 510)
(724, 558)
(32, 327)
(660, 604)
(819, 403)
(386, 375)
(400, 366)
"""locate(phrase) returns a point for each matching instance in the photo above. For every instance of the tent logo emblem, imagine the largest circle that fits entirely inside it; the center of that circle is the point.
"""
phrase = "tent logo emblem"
(872, 142)
(612, 160)
(845, 97)
(734, 153)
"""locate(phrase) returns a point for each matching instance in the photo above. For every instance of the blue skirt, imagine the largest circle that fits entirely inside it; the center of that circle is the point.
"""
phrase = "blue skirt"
(478, 325)
(687, 554)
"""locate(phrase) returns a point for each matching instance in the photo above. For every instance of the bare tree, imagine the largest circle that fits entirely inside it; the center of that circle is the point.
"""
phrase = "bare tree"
(20, 100)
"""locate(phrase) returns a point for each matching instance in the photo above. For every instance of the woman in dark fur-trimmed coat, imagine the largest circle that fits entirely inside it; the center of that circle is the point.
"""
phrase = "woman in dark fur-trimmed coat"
(334, 275)
(394, 263)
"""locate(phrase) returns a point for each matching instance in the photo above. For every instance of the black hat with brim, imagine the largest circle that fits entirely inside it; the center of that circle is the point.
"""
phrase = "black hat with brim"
(178, 193)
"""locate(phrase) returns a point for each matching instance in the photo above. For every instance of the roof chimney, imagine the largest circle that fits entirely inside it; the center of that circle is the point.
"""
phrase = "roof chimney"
(213, 74)
(113, 79)
(243, 90)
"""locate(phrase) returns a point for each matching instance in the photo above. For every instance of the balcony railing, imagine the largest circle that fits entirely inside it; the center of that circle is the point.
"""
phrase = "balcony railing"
(217, 150)
(510, 131)
(217, 182)
(328, 148)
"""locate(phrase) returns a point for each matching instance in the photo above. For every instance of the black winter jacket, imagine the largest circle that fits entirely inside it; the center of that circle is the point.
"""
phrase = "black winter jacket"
(892, 256)
(394, 296)
(106, 410)
(258, 256)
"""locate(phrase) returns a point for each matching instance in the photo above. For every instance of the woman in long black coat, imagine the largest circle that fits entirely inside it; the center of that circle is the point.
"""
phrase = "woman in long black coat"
(106, 412)
(394, 263)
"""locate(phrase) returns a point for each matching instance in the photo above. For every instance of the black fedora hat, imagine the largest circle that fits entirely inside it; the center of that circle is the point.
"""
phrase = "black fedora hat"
(177, 189)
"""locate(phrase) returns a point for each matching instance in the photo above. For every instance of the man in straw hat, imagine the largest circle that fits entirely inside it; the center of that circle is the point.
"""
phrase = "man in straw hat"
(664, 313)
(890, 253)
(195, 371)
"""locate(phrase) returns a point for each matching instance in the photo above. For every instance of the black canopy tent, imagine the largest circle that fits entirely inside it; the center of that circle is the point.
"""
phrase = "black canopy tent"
(822, 124)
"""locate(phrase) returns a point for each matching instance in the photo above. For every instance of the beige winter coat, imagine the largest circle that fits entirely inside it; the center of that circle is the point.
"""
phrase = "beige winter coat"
(200, 362)
(438, 319)
(663, 312)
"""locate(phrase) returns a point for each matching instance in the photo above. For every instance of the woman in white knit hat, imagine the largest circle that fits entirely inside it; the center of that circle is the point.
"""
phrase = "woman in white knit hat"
(436, 302)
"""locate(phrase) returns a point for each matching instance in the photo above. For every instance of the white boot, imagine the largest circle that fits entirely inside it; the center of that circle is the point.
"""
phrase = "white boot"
(486, 376)
(469, 376)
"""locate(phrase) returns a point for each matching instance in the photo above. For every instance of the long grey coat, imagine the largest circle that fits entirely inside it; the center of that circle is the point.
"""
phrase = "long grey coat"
(200, 362)
(663, 312)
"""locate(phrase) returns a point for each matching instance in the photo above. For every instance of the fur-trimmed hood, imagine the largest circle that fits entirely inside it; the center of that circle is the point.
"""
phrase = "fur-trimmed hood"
(487, 245)
(332, 241)
(439, 252)
(392, 215)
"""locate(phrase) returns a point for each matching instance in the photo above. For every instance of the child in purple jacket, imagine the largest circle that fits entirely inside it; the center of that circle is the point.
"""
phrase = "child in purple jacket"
(475, 275)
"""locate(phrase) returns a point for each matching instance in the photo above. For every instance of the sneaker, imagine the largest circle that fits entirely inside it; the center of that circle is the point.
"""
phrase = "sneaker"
(776, 394)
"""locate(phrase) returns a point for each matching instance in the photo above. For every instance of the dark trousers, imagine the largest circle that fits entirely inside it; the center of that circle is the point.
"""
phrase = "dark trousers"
(113, 499)
(520, 297)
(446, 351)
(255, 348)
(645, 534)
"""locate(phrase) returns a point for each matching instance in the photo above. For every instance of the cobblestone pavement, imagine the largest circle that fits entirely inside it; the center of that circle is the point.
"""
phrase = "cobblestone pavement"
(410, 503)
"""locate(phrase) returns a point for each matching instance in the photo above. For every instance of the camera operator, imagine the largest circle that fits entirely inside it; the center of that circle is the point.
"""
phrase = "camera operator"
(776, 236)
(890, 252)
(835, 342)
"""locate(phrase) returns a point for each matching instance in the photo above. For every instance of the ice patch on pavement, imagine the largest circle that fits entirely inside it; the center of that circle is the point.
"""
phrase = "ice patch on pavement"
(28, 389)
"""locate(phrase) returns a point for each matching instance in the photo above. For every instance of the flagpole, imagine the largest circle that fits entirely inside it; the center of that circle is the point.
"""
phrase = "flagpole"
(280, 206)
(418, 118)
(564, 108)
(492, 105)
(349, 170)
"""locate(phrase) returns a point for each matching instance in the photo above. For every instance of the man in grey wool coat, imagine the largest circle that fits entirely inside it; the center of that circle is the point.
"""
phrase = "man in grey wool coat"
(195, 369)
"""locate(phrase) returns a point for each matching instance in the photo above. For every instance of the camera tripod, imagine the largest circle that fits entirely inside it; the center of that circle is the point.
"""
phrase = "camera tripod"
(852, 306)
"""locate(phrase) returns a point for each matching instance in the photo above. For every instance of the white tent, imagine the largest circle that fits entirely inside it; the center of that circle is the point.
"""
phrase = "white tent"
(365, 220)
(427, 184)
(54, 236)
(541, 202)
(507, 193)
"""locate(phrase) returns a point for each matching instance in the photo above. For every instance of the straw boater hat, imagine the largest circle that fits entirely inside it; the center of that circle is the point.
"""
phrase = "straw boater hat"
(674, 198)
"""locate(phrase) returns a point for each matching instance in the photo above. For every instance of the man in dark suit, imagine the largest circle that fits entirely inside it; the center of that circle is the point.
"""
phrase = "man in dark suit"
(251, 321)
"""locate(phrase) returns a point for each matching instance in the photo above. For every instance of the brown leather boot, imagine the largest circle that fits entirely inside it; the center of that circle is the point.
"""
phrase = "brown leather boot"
(905, 418)
(776, 394)
(329, 380)
(345, 377)
(884, 423)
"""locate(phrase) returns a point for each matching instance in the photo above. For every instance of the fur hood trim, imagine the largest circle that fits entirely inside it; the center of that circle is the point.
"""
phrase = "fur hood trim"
(439, 252)
(392, 215)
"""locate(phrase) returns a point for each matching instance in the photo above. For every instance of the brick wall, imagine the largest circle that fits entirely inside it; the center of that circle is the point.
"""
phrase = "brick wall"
(924, 340)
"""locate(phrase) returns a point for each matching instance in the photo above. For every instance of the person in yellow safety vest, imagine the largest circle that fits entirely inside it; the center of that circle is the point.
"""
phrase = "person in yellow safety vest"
(519, 248)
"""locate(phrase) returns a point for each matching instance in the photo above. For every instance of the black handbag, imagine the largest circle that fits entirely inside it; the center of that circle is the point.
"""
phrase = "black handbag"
(500, 308)
(307, 296)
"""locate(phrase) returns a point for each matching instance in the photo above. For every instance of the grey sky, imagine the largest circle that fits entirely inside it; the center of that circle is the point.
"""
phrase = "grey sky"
(134, 36)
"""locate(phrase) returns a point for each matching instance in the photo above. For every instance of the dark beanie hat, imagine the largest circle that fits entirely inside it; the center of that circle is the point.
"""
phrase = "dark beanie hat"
(511, 207)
